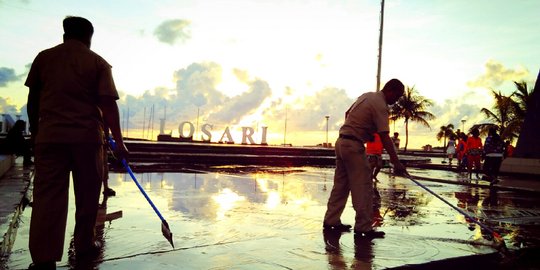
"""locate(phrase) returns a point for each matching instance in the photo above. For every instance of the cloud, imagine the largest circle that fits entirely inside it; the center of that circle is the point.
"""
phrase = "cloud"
(7, 75)
(496, 74)
(288, 91)
(195, 90)
(195, 87)
(241, 75)
(308, 112)
(196, 84)
(172, 31)
(7, 107)
(320, 60)
(244, 104)
(452, 111)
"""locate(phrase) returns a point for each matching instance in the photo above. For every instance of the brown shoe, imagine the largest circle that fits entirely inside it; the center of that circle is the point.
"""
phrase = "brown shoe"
(338, 227)
(369, 234)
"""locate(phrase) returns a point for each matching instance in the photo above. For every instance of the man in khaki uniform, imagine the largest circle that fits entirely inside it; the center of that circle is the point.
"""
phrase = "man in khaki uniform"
(368, 115)
(71, 93)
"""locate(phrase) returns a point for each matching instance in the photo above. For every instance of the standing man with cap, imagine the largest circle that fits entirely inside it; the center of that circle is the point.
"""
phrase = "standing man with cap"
(71, 93)
(368, 115)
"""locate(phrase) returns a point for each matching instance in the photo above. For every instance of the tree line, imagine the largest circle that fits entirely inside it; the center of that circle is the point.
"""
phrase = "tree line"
(507, 113)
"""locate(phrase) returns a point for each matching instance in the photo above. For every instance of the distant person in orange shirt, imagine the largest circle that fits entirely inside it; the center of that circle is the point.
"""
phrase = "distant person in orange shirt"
(508, 149)
(474, 153)
(374, 151)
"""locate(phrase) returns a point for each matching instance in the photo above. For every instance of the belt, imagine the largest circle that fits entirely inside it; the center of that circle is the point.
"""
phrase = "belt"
(350, 137)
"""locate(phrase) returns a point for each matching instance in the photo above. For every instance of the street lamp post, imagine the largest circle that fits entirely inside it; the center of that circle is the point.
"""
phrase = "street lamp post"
(197, 125)
(463, 124)
(327, 117)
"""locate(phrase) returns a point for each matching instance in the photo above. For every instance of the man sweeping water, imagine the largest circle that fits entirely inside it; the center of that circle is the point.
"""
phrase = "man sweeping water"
(369, 114)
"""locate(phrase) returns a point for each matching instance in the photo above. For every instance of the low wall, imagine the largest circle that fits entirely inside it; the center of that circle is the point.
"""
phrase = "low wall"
(6, 162)
(521, 165)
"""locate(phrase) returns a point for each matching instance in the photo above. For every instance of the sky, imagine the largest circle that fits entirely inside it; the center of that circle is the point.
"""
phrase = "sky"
(285, 65)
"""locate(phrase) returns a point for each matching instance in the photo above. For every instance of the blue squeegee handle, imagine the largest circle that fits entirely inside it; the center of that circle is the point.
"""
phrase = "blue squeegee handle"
(128, 169)
(473, 219)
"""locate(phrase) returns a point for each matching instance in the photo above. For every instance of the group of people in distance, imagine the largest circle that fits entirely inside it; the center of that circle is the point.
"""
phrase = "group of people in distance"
(469, 152)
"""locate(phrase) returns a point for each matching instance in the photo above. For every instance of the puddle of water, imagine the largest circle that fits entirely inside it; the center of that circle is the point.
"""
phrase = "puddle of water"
(272, 218)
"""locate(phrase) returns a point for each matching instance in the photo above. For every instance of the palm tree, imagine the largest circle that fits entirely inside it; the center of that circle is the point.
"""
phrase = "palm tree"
(522, 96)
(508, 112)
(411, 107)
(445, 132)
(503, 116)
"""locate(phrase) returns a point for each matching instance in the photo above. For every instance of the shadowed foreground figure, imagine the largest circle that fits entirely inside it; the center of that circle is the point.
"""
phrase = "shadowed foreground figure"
(15, 143)
(71, 93)
(368, 115)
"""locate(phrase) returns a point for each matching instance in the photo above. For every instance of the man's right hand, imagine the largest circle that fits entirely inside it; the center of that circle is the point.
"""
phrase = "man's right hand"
(121, 152)
(119, 149)
(399, 169)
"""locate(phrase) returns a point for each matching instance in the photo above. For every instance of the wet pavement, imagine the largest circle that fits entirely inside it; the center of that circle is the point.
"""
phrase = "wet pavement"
(271, 218)
(13, 186)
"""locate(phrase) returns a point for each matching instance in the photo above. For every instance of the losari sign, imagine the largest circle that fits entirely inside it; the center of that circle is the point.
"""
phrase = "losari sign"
(226, 137)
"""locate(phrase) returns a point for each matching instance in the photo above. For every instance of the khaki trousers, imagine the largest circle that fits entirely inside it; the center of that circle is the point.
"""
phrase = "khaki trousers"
(53, 163)
(352, 175)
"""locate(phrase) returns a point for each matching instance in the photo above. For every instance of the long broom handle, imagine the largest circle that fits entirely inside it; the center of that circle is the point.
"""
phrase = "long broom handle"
(455, 208)
(124, 162)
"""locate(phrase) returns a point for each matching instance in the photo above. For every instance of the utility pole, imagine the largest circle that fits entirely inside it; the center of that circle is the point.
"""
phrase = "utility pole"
(380, 48)
(152, 118)
(143, 119)
(127, 123)
(285, 130)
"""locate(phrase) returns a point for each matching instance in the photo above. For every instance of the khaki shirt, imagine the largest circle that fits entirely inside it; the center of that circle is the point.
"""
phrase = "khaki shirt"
(368, 114)
(70, 78)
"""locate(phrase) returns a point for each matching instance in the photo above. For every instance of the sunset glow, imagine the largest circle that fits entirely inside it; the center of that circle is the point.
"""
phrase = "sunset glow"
(277, 64)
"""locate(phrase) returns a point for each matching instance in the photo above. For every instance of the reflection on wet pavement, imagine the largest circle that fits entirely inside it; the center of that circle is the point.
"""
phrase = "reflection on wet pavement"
(272, 218)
